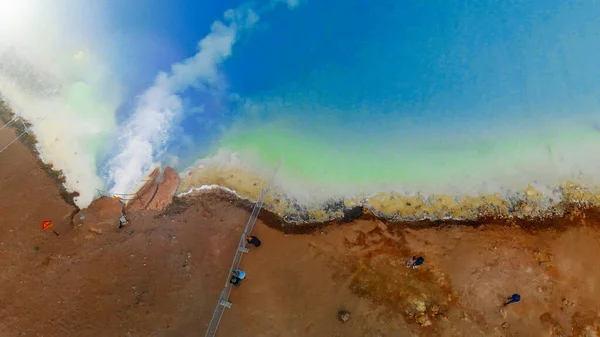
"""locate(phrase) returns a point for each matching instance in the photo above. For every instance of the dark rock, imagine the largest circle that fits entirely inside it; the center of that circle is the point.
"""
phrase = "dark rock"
(353, 213)
(332, 205)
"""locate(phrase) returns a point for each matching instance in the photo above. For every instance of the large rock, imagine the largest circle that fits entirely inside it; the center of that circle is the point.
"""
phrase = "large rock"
(166, 190)
(101, 216)
(145, 193)
(157, 193)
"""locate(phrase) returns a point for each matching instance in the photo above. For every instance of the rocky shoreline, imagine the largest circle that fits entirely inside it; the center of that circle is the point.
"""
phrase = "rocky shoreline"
(525, 213)
(574, 215)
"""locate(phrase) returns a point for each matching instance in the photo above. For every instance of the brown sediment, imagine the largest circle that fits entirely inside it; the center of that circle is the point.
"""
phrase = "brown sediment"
(30, 141)
(574, 215)
(559, 223)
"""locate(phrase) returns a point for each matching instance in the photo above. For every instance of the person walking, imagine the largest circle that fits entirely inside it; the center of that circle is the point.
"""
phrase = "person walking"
(513, 299)
(237, 277)
(419, 261)
(253, 240)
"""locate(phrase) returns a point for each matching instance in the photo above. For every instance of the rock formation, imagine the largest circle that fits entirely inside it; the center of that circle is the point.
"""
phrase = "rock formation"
(158, 191)
(101, 216)
(165, 191)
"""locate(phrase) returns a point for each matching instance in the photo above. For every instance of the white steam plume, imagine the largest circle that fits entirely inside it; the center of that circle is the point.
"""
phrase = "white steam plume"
(51, 75)
(147, 131)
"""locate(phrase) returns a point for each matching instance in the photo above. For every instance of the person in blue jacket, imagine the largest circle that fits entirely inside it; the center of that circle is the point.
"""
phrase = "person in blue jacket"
(237, 277)
(513, 299)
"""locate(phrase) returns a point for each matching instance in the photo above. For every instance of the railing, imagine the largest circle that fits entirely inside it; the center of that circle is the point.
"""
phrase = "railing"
(223, 301)
(16, 138)
(124, 196)
(25, 128)
(9, 122)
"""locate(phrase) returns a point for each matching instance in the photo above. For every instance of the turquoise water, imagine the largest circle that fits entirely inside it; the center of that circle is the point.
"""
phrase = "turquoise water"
(423, 96)
(454, 165)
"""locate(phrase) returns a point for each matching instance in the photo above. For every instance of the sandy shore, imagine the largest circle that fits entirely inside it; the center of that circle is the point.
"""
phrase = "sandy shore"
(529, 204)
(160, 275)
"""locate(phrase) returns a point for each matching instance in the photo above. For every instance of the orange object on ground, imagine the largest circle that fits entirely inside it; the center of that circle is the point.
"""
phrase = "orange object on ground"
(47, 224)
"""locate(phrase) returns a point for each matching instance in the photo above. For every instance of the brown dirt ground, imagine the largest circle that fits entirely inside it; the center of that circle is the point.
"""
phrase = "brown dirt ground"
(161, 274)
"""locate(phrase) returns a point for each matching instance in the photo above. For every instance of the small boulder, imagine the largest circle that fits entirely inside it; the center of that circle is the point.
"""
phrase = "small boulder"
(423, 320)
(352, 213)
(344, 316)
